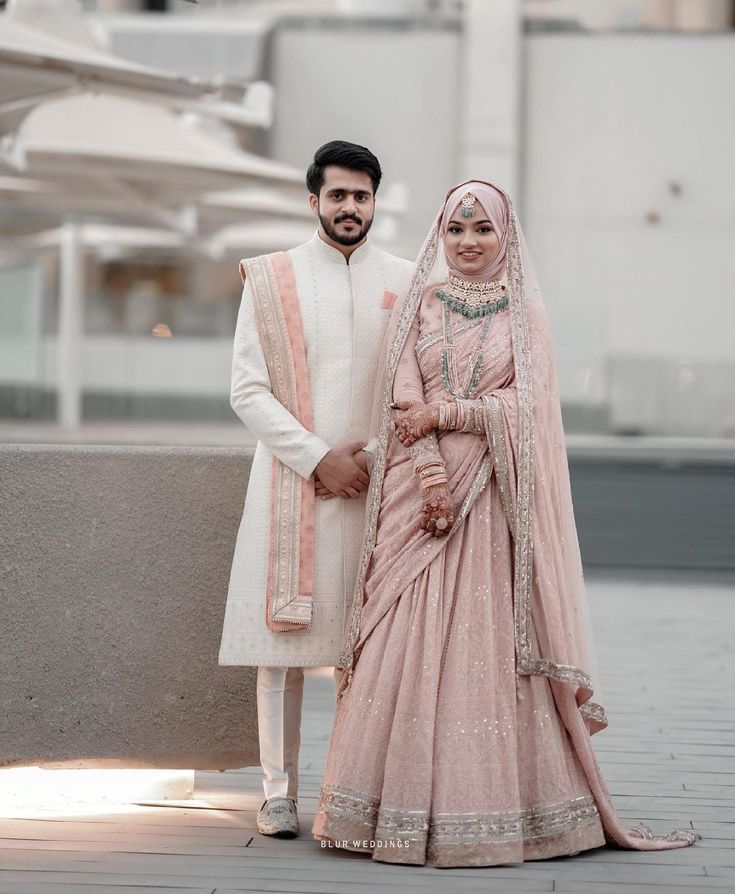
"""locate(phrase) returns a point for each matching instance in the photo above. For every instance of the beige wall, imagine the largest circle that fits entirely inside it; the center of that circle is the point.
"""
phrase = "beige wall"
(629, 210)
(390, 88)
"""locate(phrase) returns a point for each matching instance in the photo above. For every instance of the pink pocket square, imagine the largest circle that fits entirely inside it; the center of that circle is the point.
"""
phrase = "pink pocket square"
(389, 299)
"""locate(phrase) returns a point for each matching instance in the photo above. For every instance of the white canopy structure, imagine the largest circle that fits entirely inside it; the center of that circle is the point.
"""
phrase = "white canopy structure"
(231, 206)
(136, 160)
(257, 237)
(137, 145)
(29, 205)
(106, 238)
(235, 205)
(48, 49)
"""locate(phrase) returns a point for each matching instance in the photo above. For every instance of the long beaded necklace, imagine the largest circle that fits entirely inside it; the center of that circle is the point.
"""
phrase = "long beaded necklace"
(471, 300)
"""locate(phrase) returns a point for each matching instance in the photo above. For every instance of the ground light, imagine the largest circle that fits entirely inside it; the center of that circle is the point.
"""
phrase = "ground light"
(89, 790)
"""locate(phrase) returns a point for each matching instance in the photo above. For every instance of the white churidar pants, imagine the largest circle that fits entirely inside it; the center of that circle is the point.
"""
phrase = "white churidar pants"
(280, 692)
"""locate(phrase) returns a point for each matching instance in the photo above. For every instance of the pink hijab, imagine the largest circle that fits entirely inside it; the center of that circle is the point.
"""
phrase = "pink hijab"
(496, 211)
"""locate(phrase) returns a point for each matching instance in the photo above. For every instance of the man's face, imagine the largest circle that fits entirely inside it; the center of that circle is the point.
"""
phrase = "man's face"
(345, 205)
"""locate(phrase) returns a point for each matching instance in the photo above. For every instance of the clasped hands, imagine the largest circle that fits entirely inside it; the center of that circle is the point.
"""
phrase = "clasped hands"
(342, 472)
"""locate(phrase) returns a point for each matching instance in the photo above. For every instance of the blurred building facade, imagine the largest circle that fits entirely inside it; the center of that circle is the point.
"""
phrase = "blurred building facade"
(607, 121)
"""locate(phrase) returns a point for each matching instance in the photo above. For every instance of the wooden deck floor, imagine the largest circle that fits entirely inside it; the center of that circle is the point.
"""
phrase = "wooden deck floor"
(666, 660)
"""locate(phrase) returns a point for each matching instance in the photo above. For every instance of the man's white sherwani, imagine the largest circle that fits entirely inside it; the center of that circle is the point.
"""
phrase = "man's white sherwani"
(344, 310)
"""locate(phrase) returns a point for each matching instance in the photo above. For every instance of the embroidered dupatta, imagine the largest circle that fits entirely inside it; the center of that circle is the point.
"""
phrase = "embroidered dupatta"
(290, 583)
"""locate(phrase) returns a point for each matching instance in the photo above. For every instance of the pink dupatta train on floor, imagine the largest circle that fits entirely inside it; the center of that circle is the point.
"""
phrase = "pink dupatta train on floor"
(462, 733)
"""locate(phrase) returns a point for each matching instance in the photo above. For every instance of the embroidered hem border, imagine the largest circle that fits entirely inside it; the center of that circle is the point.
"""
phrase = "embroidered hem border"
(350, 812)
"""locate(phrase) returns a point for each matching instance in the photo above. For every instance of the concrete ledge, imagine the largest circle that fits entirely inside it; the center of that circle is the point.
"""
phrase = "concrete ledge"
(114, 565)
(113, 580)
(665, 451)
(642, 512)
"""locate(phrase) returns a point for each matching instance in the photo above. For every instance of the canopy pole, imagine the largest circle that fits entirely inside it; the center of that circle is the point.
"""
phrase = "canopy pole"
(71, 327)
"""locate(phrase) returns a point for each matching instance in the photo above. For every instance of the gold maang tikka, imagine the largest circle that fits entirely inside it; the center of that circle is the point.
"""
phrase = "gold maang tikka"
(468, 205)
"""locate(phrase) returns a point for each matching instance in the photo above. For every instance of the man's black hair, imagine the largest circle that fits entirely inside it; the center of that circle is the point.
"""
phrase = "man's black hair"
(344, 155)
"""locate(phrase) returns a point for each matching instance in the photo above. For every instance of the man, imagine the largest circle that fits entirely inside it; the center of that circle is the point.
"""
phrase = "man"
(303, 374)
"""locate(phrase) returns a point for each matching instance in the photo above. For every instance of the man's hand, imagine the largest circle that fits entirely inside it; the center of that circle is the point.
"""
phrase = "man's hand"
(415, 420)
(360, 457)
(341, 474)
(321, 491)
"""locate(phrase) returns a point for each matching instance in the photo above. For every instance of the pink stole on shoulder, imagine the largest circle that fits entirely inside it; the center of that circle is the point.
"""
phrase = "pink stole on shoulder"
(290, 586)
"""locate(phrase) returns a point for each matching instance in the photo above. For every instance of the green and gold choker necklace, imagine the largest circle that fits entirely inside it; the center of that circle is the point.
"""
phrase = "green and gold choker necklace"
(473, 299)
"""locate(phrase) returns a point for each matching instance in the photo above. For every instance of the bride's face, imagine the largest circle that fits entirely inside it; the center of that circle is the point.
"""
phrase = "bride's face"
(471, 242)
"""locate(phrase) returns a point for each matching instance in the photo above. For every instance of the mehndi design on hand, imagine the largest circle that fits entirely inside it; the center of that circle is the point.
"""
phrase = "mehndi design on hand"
(437, 511)
(415, 420)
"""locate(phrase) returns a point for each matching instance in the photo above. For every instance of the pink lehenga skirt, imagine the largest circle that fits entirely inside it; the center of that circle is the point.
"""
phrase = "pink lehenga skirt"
(439, 753)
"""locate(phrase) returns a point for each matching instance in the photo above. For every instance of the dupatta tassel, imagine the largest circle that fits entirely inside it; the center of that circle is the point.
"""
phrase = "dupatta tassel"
(345, 681)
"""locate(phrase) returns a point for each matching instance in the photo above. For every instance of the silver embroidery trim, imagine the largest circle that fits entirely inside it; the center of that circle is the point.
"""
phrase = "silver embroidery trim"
(534, 822)
(426, 450)
(346, 803)
(392, 824)
(284, 550)
(564, 673)
(523, 538)
(496, 440)
(593, 711)
(477, 487)
(395, 824)
(474, 416)
(437, 335)
(644, 831)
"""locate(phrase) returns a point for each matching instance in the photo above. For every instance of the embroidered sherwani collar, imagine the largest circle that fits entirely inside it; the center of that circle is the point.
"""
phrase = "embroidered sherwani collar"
(335, 256)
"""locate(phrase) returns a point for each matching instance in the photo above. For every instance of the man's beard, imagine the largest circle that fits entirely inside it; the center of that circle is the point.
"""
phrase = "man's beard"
(346, 238)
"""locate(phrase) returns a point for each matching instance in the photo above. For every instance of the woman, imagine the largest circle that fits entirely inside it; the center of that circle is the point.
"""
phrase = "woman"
(462, 733)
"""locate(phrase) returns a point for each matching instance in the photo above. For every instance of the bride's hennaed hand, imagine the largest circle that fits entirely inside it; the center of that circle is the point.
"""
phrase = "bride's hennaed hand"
(437, 510)
(415, 420)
